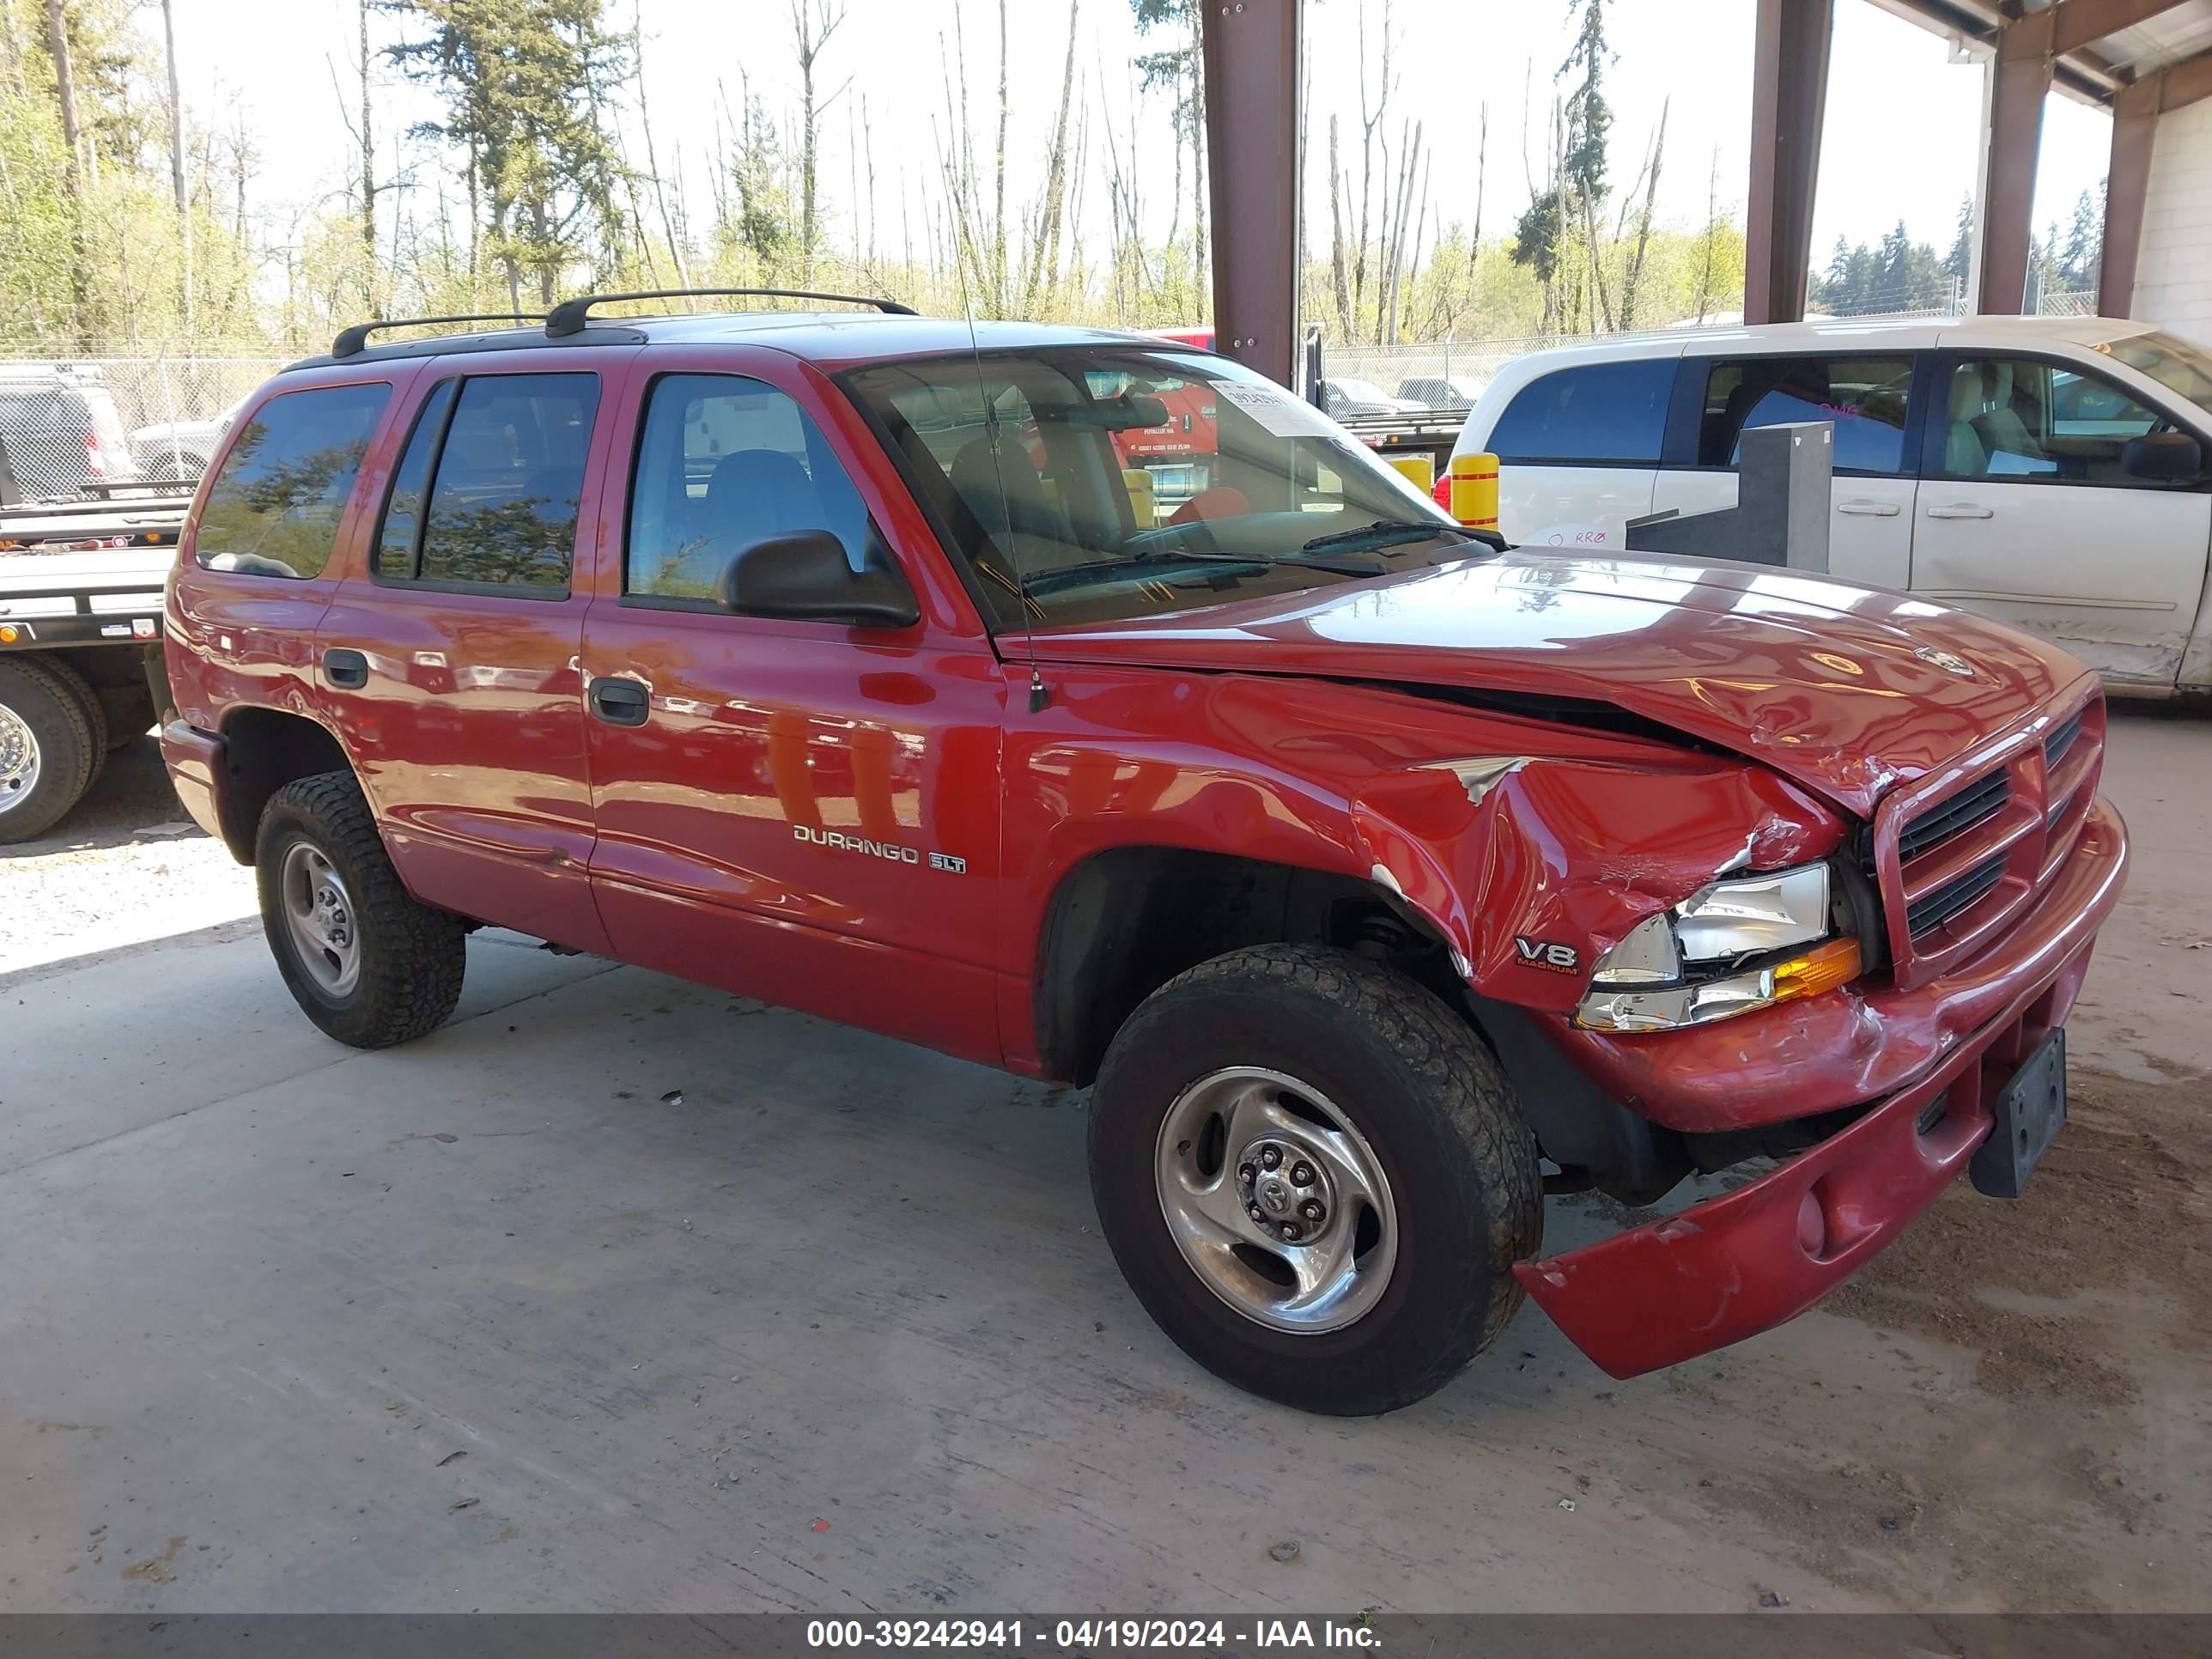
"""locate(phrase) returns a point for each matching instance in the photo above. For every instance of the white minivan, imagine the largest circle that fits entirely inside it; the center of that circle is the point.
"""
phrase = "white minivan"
(2053, 472)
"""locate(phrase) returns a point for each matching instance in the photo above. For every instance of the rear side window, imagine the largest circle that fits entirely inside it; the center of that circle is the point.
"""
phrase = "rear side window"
(725, 461)
(507, 478)
(400, 539)
(1864, 397)
(274, 508)
(1613, 412)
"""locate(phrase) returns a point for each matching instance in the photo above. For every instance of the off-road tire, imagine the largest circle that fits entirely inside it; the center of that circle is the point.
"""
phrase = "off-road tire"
(1431, 1102)
(412, 955)
(69, 743)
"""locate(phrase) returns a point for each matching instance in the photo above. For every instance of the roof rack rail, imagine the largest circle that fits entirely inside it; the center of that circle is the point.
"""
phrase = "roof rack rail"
(351, 341)
(570, 315)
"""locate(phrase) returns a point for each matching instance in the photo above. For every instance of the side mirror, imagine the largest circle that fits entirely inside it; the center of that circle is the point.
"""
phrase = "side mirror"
(806, 577)
(2163, 457)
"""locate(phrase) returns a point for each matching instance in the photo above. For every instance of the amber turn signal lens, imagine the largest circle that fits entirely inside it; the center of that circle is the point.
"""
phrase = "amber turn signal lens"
(1836, 963)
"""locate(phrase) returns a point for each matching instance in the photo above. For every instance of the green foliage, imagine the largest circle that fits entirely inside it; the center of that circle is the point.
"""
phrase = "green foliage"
(524, 85)
(101, 267)
(1589, 117)
(1898, 274)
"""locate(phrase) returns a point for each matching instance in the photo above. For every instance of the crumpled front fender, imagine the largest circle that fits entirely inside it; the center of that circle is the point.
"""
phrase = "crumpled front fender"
(1532, 867)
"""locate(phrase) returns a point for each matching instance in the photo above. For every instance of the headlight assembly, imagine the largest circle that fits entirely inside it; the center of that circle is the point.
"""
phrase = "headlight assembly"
(1743, 943)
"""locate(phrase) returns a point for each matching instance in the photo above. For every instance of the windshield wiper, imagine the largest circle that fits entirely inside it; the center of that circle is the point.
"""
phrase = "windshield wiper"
(1383, 532)
(1068, 575)
(1342, 568)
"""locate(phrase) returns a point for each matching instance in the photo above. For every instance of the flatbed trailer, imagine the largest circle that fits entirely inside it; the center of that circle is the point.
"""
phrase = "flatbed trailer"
(81, 670)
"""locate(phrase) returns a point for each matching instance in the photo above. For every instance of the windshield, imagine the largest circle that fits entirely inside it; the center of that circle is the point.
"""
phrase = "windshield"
(1126, 481)
(2182, 368)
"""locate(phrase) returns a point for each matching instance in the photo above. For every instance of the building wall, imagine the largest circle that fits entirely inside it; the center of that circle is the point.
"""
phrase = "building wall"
(2174, 271)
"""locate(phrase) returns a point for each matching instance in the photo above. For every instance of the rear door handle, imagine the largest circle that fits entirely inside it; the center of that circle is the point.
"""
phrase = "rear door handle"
(1865, 509)
(620, 702)
(346, 670)
(1961, 510)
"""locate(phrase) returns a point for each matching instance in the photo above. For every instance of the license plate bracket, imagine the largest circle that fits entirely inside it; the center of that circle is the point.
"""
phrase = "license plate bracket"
(2030, 1110)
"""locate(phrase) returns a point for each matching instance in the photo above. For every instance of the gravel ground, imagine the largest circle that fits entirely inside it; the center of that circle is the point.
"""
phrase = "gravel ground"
(125, 869)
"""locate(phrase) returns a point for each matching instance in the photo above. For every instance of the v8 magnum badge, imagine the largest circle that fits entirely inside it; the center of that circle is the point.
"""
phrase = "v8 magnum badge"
(1548, 954)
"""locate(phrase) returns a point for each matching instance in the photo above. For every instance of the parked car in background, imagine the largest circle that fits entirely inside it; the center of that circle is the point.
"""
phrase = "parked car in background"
(1360, 865)
(59, 432)
(1342, 398)
(1438, 392)
(179, 449)
(2051, 472)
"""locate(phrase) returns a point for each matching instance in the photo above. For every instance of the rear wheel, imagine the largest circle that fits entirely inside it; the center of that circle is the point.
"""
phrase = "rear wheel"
(49, 747)
(366, 962)
(1314, 1177)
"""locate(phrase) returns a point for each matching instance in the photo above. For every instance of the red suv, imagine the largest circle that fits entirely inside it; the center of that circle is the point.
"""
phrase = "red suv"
(1378, 880)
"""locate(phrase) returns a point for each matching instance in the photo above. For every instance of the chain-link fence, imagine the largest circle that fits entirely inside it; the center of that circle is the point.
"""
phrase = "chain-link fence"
(1441, 375)
(67, 423)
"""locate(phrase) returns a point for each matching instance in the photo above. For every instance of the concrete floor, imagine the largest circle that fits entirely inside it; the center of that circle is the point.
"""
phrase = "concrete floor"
(617, 1294)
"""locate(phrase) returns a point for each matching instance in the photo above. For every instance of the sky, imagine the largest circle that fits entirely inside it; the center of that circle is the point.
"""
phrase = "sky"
(1901, 130)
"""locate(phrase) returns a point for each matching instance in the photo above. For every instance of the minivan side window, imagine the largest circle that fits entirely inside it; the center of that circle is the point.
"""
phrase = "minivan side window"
(1863, 398)
(2016, 421)
(724, 461)
(1603, 412)
(506, 481)
(274, 508)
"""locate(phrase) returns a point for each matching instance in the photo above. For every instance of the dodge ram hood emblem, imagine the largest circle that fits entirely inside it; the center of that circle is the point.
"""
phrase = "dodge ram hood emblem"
(1949, 661)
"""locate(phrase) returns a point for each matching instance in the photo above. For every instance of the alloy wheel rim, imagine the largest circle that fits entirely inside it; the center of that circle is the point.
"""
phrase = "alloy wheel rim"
(19, 759)
(1276, 1201)
(319, 913)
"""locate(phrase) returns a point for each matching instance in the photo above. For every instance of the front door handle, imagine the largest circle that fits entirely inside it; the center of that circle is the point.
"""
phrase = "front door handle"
(345, 671)
(620, 702)
(1866, 509)
(1961, 510)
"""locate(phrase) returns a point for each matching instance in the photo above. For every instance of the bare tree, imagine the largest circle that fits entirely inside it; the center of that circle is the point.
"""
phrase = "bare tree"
(1339, 264)
(652, 160)
(1043, 264)
(812, 23)
(1633, 280)
(57, 44)
(177, 164)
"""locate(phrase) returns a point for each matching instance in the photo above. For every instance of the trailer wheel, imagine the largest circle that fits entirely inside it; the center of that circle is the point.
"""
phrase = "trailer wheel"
(95, 711)
(48, 748)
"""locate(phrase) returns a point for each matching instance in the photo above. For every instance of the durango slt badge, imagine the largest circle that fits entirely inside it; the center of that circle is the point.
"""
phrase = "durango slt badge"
(838, 841)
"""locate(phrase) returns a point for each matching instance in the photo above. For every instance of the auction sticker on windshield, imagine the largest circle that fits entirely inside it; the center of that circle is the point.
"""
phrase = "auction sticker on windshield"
(1279, 413)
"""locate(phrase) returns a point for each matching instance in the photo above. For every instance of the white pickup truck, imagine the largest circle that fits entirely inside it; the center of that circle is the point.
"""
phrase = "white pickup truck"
(2051, 472)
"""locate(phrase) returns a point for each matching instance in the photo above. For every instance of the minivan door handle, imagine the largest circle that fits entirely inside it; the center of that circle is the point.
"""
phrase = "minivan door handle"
(620, 702)
(1961, 510)
(1866, 509)
(345, 670)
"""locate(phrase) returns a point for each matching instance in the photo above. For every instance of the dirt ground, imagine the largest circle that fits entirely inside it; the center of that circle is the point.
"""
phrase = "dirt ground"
(494, 1321)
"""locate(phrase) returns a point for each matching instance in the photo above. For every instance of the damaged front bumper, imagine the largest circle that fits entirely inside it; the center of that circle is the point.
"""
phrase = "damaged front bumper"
(1748, 1260)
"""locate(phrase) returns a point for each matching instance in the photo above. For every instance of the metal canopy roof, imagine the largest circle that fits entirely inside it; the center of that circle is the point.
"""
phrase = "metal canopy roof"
(2102, 46)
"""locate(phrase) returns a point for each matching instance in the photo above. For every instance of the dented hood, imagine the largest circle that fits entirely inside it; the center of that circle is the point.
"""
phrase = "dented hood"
(1845, 691)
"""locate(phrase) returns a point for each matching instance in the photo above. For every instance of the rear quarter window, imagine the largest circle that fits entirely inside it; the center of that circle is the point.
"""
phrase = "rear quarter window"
(1606, 412)
(274, 509)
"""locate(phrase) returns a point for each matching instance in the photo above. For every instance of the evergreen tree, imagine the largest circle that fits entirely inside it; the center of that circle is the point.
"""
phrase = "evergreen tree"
(523, 83)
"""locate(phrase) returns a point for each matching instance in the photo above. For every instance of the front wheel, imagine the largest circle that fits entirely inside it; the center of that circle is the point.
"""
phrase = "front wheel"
(1314, 1177)
(363, 959)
